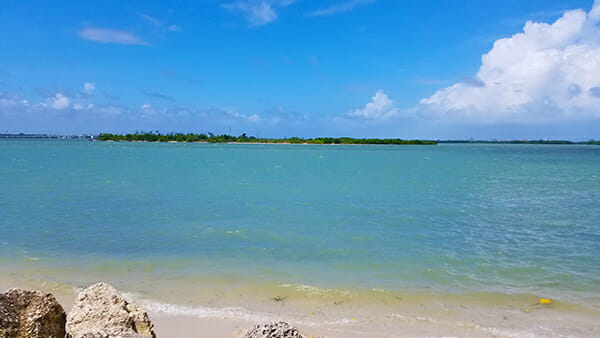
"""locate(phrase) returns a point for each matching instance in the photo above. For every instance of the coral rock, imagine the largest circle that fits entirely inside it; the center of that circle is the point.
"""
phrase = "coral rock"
(30, 314)
(101, 312)
(273, 330)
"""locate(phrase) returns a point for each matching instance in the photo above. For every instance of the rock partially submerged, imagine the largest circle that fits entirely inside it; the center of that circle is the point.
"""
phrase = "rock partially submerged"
(101, 312)
(30, 314)
(273, 330)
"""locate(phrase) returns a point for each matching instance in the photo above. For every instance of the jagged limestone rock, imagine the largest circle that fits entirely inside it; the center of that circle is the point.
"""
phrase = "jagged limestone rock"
(101, 312)
(28, 314)
(273, 330)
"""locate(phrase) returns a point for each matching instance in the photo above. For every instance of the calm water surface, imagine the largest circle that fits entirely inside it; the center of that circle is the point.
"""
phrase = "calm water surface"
(507, 219)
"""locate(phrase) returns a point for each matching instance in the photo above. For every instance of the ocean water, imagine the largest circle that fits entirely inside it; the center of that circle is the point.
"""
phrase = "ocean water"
(450, 220)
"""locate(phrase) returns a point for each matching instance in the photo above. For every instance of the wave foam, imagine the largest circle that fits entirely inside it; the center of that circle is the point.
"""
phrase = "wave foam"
(237, 313)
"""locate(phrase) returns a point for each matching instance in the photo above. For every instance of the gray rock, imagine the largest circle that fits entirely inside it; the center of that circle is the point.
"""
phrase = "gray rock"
(30, 314)
(273, 330)
(101, 312)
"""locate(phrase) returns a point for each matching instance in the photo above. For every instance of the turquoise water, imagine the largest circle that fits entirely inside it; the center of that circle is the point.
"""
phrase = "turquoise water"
(510, 219)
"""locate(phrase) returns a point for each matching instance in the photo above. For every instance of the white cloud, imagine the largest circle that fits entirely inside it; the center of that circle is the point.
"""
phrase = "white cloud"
(11, 100)
(381, 107)
(151, 20)
(258, 12)
(89, 88)
(107, 35)
(58, 102)
(548, 72)
(254, 118)
(82, 106)
(174, 28)
(340, 7)
(147, 110)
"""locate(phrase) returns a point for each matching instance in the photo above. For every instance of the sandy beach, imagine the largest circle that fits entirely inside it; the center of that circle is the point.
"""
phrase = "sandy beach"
(449, 316)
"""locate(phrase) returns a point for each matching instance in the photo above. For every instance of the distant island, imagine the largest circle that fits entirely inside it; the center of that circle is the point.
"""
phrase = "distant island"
(520, 141)
(46, 136)
(224, 138)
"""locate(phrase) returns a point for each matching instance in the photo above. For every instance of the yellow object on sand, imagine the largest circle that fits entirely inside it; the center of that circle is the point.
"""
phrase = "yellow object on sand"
(545, 301)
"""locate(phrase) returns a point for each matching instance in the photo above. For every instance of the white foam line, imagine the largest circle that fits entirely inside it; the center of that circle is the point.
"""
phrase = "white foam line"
(238, 313)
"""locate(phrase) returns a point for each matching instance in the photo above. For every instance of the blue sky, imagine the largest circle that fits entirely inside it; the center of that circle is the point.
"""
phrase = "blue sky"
(376, 68)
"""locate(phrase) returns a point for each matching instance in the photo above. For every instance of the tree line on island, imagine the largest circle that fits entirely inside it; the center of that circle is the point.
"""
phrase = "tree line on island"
(224, 138)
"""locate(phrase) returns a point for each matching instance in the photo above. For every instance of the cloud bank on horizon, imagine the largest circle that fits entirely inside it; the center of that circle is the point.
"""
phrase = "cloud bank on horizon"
(547, 72)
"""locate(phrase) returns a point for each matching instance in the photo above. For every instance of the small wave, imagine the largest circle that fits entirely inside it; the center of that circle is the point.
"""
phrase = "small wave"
(238, 313)
(313, 290)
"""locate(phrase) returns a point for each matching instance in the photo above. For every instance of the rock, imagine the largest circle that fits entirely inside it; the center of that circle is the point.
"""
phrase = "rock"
(273, 330)
(101, 312)
(30, 314)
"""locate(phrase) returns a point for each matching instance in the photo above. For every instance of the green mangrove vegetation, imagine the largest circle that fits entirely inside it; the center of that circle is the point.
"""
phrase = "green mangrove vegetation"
(224, 138)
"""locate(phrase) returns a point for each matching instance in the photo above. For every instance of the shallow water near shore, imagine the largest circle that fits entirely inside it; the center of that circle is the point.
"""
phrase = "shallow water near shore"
(465, 234)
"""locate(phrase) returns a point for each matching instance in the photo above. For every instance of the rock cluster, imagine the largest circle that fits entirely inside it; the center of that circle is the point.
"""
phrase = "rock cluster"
(30, 314)
(101, 312)
(273, 330)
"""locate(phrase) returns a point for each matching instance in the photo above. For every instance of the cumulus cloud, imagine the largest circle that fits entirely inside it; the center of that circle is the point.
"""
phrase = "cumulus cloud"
(340, 7)
(61, 113)
(258, 12)
(381, 107)
(547, 72)
(107, 35)
(58, 102)
(89, 88)
(254, 118)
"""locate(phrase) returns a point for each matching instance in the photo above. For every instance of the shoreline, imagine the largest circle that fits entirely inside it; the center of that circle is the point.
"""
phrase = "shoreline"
(343, 140)
(474, 315)
(264, 143)
(225, 138)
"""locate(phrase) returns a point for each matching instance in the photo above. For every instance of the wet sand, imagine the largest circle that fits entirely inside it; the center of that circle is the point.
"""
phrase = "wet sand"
(450, 315)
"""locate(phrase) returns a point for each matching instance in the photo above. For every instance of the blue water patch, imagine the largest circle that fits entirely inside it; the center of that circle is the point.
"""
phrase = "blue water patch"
(451, 218)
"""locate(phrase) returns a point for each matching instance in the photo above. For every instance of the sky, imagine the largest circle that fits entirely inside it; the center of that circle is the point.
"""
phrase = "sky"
(281, 68)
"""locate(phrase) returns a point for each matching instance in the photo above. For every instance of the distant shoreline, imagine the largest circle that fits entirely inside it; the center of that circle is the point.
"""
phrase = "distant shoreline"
(224, 138)
(173, 138)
